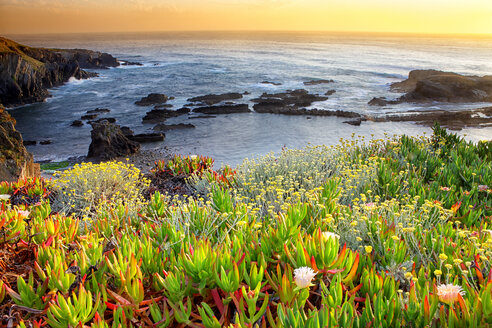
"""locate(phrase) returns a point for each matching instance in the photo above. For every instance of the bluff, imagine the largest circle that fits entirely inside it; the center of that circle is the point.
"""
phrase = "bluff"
(15, 160)
(26, 73)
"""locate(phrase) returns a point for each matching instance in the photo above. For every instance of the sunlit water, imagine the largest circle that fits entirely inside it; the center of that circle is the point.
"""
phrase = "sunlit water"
(184, 65)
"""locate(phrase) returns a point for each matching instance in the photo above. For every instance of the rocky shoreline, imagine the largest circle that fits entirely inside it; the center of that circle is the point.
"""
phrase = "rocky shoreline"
(26, 74)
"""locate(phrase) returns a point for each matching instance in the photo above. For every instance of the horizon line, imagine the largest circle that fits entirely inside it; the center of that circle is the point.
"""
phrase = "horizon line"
(408, 34)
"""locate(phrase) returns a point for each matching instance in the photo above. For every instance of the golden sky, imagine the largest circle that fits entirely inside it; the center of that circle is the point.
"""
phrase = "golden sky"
(412, 16)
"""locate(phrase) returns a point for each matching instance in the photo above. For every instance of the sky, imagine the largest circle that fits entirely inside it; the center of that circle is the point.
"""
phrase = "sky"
(395, 16)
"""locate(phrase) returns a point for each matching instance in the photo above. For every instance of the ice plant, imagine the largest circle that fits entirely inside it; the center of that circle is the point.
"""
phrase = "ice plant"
(5, 197)
(449, 293)
(327, 235)
(303, 276)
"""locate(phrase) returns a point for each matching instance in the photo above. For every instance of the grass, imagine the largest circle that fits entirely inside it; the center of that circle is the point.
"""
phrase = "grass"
(54, 165)
(382, 233)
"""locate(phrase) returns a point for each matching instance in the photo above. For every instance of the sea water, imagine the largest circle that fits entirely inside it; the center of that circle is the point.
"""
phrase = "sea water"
(186, 64)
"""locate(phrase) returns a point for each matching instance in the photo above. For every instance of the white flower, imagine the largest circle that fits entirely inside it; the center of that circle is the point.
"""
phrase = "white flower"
(192, 157)
(303, 276)
(328, 234)
(4, 197)
(23, 214)
(449, 293)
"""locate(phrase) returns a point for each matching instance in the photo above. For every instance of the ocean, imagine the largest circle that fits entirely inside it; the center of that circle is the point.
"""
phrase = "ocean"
(188, 64)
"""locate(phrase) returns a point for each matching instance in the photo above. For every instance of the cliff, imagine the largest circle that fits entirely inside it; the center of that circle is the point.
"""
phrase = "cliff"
(15, 160)
(26, 72)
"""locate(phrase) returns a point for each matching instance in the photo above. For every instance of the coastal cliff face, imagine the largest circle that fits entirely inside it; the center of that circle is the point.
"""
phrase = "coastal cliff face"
(26, 73)
(15, 160)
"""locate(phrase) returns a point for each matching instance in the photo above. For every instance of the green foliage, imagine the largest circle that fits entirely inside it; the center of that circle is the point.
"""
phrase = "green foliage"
(389, 233)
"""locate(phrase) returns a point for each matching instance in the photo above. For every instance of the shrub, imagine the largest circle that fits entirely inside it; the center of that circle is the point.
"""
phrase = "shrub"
(87, 188)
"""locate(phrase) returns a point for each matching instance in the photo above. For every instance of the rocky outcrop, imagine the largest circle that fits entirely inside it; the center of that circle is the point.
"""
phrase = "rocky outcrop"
(223, 109)
(147, 137)
(168, 127)
(15, 160)
(453, 120)
(26, 73)
(109, 142)
(290, 100)
(160, 115)
(213, 99)
(316, 82)
(152, 99)
(431, 85)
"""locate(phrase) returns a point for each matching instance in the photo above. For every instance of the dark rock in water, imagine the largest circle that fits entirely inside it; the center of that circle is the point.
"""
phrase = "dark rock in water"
(27, 73)
(160, 115)
(285, 101)
(355, 122)
(378, 101)
(98, 110)
(88, 117)
(163, 106)
(15, 160)
(172, 98)
(127, 131)
(130, 63)
(107, 119)
(453, 120)
(213, 99)
(272, 83)
(108, 142)
(167, 127)
(316, 82)
(201, 116)
(330, 92)
(77, 123)
(152, 99)
(432, 85)
(45, 142)
(246, 93)
(29, 142)
(292, 110)
(224, 109)
(147, 137)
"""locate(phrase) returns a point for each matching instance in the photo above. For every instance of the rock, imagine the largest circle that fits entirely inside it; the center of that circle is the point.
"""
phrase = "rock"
(152, 99)
(201, 116)
(355, 122)
(26, 73)
(45, 142)
(109, 142)
(147, 137)
(432, 85)
(223, 109)
(246, 93)
(88, 117)
(98, 111)
(453, 120)
(29, 142)
(330, 92)
(127, 131)
(213, 99)
(163, 106)
(292, 110)
(160, 115)
(130, 63)
(378, 101)
(285, 101)
(167, 127)
(316, 82)
(77, 123)
(272, 83)
(107, 119)
(15, 160)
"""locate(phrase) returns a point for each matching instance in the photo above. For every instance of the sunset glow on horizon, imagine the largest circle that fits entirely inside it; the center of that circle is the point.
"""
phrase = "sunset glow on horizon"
(405, 16)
